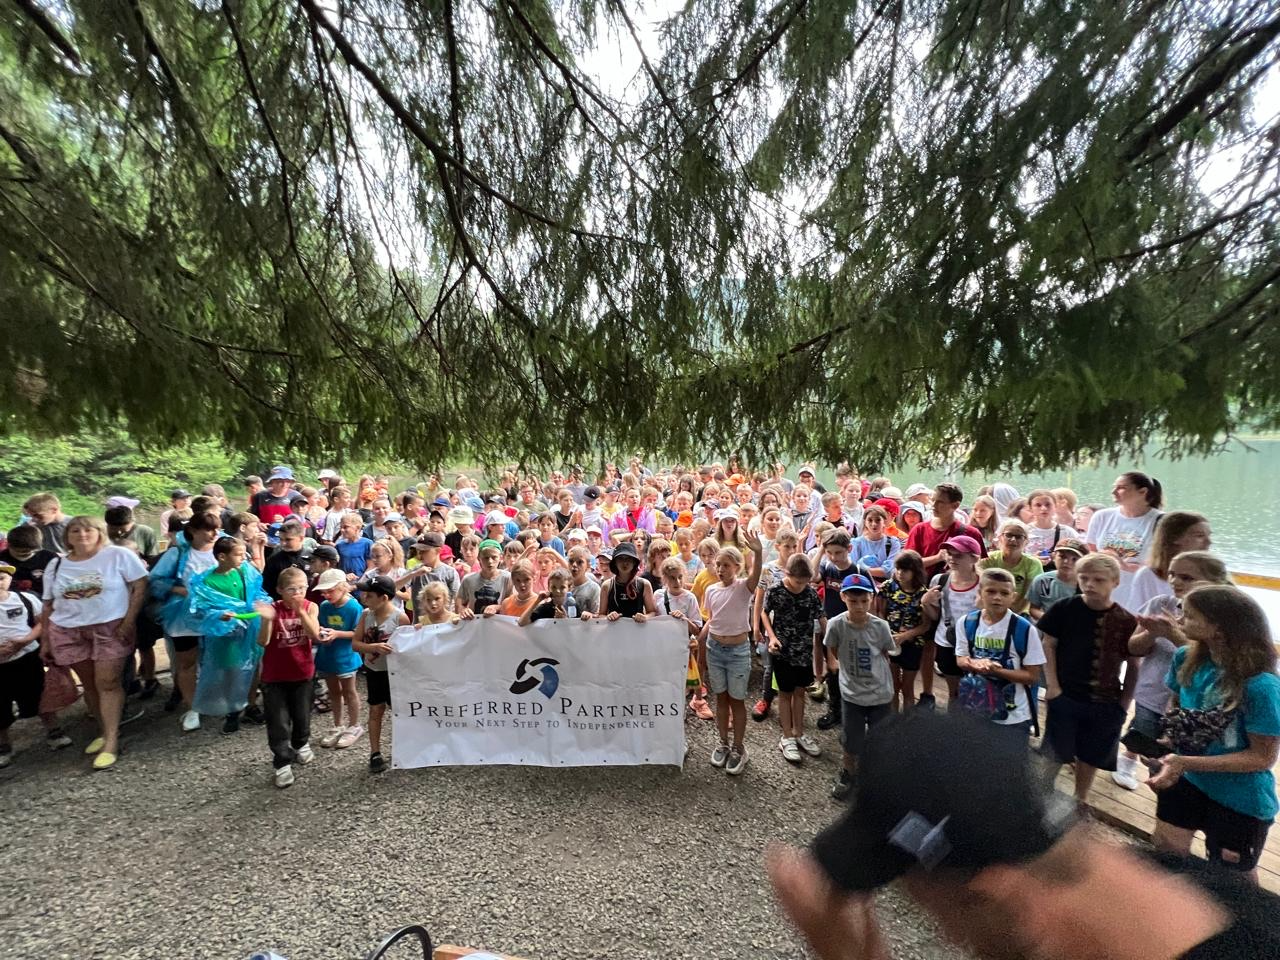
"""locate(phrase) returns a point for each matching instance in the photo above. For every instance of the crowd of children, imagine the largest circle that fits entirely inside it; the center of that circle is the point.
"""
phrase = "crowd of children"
(859, 596)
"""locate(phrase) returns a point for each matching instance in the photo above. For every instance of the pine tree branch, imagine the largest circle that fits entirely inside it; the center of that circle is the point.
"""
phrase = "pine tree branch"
(445, 160)
(49, 29)
(1210, 84)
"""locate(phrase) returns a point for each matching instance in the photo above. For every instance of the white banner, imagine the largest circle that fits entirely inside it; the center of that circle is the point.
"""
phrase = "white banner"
(558, 693)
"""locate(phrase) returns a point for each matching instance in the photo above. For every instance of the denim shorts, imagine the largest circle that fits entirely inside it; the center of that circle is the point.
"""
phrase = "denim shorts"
(728, 668)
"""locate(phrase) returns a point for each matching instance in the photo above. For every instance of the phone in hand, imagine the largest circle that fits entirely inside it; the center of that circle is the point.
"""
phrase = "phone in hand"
(1143, 744)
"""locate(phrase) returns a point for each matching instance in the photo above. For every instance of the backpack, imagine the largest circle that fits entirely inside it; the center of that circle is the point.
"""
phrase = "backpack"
(26, 605)
(990, 697)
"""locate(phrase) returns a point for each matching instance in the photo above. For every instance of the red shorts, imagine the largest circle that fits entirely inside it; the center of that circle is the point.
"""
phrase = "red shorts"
(97, 641)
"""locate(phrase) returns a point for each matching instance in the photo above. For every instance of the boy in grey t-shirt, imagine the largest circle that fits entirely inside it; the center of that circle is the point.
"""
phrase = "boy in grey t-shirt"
(488, 586)
(859, 645)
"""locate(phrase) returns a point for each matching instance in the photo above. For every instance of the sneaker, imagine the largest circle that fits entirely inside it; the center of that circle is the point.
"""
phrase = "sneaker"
(737, 761)
(284, 776)
(828, 720)
(376, 763)
(231, 724)
(818, 691)
(253, 714)
(720, 755)
(843, 786)
(790, 750)
(331, 738)
(6, 755)
(1126, 772)
(56, 739)
(305, 753)
(760, 710)
(149, 689)
(809, 746)
(349, 736)
(701, 709)
(927, 701)
(127, 716)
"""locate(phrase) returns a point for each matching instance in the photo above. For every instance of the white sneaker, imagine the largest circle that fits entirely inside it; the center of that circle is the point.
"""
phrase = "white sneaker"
(1126, 772)
(790, 750)
(305, 753)
(737, 761)
(331, 738)
(809, 746)
(190, 721)
(720, 755)
(284, 777)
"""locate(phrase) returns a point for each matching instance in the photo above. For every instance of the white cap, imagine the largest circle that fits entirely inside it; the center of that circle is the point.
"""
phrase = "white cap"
(594, 529)
(916, 489)
(326, 474)
(392, 517)
(330, 579)
(576, 535)
(495, 516)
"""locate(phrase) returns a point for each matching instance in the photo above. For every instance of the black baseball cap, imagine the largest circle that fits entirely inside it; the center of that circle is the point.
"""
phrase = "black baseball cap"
(941, 791)
(592, 493)
(429, 539)
(383, 585)
(325, 552)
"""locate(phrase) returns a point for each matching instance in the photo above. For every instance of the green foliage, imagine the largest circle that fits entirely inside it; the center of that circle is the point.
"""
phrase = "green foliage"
(86, 468)
(884, 231)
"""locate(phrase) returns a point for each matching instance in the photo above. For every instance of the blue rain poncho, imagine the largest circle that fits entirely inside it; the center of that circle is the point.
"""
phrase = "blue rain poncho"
(229, 652)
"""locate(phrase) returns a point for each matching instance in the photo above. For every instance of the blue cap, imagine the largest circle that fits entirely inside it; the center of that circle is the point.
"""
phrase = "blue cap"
(280, 472)
(857, 583)
(442, 501)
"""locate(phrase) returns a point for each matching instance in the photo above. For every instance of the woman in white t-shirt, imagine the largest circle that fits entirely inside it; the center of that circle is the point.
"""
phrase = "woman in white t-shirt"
(91, 601)
(1125, 530)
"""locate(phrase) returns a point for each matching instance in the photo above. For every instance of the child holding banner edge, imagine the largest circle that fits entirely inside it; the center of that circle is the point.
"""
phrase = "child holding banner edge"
(377, 624)
(724, 656)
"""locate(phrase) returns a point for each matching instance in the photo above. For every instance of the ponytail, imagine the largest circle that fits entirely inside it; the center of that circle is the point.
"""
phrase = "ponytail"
(1154, 492)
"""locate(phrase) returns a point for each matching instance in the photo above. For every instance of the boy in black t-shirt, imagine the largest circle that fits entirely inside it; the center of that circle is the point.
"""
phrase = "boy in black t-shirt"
(557, 601)
(835, 566)
(28, 559)
(1086, 642)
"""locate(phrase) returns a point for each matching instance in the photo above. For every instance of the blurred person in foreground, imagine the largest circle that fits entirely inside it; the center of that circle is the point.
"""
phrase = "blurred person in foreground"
(1003, 864)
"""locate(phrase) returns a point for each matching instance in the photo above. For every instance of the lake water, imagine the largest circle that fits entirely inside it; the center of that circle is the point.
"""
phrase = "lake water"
(1235, 490)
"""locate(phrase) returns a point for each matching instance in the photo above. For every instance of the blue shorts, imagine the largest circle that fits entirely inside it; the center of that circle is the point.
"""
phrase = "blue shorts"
(728, 668)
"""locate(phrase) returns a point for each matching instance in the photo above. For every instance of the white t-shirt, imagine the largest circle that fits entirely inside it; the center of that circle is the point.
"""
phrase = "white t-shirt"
(197, 562)
(988, 644)
(15, 621)
(1130, 538)
(85, 592)
(1040, 540)
(685, 602)
(1145, 586)
(729, 608)
(957, 604)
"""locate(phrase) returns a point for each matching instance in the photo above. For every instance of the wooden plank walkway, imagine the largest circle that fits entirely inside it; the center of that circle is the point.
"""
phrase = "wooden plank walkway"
(1134, 811)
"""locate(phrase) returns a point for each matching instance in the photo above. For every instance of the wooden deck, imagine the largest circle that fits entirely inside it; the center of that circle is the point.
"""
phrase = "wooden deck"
(1134, 811)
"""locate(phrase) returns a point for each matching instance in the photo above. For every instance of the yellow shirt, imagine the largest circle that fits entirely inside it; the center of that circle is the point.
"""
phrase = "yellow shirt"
(703, 580)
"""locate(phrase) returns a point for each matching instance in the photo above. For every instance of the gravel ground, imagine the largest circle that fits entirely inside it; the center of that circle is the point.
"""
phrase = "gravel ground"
(185, 849)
